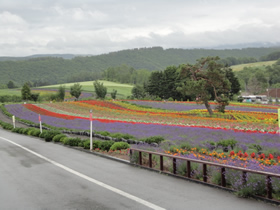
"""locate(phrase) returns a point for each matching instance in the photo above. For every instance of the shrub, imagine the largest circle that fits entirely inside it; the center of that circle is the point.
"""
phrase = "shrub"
(158, 99)
(64, 140)
(86, 144)
(170, 99)
(50, 134)
(154, 139)
(95, 144)
(30, 131)
(57, 137)
(35, 132)
(21, 130)
(106, 145)
(16, 130)
(72, 141)
(185, 145)
(42, 135)
(103, 133)
(227, 143)
(7, 126)
(119, 146)
(27, 130)
(174, 149)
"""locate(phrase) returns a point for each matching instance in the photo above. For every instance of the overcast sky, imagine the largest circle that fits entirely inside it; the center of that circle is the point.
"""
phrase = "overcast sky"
(100, 26)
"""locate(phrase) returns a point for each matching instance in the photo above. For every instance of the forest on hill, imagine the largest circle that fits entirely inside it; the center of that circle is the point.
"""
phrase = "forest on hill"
(54, 70)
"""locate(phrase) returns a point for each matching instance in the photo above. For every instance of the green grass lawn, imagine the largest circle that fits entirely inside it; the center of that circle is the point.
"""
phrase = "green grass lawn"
(124, 90)
(16, 91)
(260, 65)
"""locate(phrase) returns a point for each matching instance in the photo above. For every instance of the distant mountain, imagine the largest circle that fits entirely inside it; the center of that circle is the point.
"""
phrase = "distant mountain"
(55, 68)
(64, 56)
(249, 45)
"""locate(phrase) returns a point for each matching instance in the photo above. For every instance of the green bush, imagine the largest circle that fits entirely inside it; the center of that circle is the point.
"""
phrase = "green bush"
(106, 145)
(119, 146)
(31, 131)
(186, 146)
(227, 143)
(103, 133)
(86, 144)
(95, 144)
(153, 139)
(36, 132)
(72, 141)
(21, 130)
(57, 137)
(16, 130)
(170, 99)
(27, 130)
(50, 134)
(158, 99)
(6, 126)
(42, 135)
(173, 148)
(64, 140)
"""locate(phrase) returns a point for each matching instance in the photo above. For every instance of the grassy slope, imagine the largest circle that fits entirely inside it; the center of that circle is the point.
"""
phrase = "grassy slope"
(124, 90)
(10, 92)
(260, 65)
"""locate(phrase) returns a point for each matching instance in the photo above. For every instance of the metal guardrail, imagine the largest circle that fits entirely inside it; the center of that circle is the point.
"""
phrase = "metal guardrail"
(204, 168)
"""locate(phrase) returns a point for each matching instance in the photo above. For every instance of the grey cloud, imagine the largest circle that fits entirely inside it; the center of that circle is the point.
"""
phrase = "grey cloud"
(100, 26)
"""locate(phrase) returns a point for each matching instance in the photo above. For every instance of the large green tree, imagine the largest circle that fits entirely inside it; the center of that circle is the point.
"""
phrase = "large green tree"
(100, 89)
(25, 92)
(61, 93)
(206, 77)
(76, 90)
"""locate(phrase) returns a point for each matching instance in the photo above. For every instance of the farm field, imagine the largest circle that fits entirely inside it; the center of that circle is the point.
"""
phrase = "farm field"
(260, 65)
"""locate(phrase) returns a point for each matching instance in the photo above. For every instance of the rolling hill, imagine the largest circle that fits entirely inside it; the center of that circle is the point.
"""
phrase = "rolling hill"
(56, 69)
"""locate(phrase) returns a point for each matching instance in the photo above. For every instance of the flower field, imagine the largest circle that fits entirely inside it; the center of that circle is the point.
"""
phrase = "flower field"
(252, 129)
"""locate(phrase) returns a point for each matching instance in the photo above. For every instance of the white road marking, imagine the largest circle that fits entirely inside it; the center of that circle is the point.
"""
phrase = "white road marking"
(113, 189)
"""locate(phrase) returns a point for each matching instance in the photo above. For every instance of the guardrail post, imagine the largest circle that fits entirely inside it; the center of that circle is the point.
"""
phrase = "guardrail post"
(204, 172)
(161, 162)
(150, 160)
(244, 177)
(223, 177)
(140, 158)
(188, 169)
(269, 187)
(174, 165)
(130, 155)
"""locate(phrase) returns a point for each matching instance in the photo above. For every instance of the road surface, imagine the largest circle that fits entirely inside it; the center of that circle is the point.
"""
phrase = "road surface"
(42, 175)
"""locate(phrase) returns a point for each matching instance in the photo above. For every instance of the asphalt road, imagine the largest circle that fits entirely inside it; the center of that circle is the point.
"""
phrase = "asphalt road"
(38, 175)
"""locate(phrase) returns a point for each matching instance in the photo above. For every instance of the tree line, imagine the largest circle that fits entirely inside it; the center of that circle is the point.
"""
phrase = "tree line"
(203, 81)
(257, 79)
